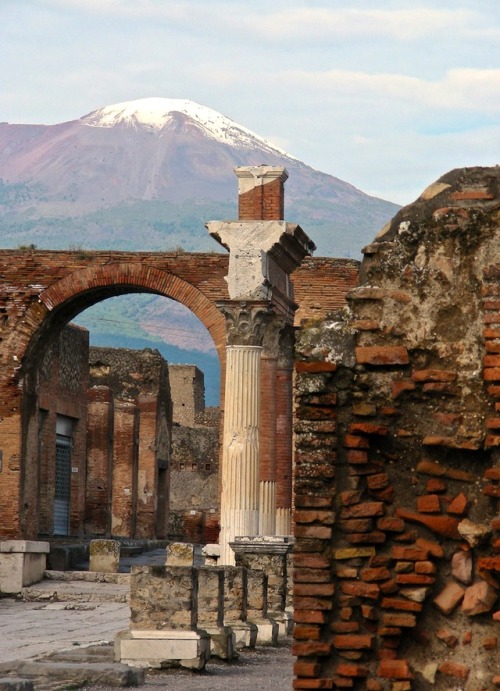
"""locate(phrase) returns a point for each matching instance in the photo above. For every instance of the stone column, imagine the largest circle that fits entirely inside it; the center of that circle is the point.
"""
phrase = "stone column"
(240, 443)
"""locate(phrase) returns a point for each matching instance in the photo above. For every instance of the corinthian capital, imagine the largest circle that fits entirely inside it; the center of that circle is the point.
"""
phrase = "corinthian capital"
(246, 321)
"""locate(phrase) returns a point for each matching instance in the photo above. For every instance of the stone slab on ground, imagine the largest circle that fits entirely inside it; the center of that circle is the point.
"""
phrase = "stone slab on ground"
(257, 669)
(15, 684)
(76, 674)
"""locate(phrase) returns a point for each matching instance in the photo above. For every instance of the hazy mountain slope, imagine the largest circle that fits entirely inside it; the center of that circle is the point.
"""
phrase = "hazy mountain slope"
(147, 174)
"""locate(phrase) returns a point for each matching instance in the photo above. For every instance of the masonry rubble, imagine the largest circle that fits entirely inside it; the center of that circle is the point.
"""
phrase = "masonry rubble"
(397, 562)
(182, 613)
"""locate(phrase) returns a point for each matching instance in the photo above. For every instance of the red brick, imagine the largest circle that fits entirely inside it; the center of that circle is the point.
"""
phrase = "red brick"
(429, 503)
(344, 626)
(394, 669)
(356, 525)
(314, 531)
(304, 616)
(391, 524)
(399, 619)
(399, 386)
(350, 497)
(306, 669)
(311, 648)
(449, 597)
(377, 481)
(409, 553)
(312, 603)
(312, 516)
(382, 355)
(414, 579)
(314, 589)
(356, 457)
(312, 684)
(376, 537)
(353, 642)
(306, 633)
(311, 576)
(366, 509)
(433, 548)
(315, 367)
(425, 375)
(492, 474)
(354, 442)
(371, 575)
(400, 604)
(435, 486)
(351, 670)
(442, 525)
(489, 563)
(368, 428)
(425, 567)
(454, 669)
(313, 561)
(369, 590)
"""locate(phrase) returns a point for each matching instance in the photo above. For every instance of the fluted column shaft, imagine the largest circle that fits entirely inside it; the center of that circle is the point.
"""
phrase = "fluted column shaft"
(240, 453)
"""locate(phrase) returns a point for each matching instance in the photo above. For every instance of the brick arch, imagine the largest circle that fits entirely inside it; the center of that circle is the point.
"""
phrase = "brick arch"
(137, 276)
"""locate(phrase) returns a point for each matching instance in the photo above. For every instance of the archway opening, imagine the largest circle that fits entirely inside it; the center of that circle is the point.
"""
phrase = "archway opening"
(96, 454)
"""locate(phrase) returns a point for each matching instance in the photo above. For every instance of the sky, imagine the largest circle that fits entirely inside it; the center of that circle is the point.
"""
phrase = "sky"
(385, 94)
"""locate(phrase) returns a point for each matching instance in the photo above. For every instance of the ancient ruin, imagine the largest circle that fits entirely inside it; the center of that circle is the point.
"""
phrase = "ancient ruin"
(396, 402)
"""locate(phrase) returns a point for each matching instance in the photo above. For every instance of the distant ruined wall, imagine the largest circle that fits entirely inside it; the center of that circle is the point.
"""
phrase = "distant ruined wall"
(397, 457)
(187, 386)
(129, 442)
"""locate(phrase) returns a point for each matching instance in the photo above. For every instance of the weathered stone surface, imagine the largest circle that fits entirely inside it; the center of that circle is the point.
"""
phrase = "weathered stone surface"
(474, 533)
(104, 556)
(461, 567)
(479, 598)
(449, 597)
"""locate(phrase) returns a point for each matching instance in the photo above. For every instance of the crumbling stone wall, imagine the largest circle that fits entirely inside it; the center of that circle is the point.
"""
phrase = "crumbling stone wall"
(397, 558)
(187, 385)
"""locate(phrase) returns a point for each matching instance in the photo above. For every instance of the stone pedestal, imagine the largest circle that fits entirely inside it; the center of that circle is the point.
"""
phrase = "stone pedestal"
(211, 613)
(267, 628)
(235, 607)
(22, 562)
(163, 649)
(104, 556)
(270, 554)
(164, 620)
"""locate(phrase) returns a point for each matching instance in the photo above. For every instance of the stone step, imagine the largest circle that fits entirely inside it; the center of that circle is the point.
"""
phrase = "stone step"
(76, 592)
(52, 675)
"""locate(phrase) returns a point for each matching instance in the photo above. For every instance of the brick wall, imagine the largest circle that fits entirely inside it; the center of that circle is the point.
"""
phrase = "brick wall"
(129, 443)
(397, 466)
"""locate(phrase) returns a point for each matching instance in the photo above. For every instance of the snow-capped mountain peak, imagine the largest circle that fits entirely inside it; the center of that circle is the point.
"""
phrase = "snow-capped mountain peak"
(157, 113)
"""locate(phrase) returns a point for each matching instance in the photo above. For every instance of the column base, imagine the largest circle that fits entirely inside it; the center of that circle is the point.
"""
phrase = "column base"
(222, 642)
(268, 631)
(245, 634)
(163, 649)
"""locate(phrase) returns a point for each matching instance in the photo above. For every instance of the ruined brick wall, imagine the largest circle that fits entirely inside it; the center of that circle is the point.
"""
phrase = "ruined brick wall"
(61, 389)
(187, 384)
(129, 443)
(397, 457)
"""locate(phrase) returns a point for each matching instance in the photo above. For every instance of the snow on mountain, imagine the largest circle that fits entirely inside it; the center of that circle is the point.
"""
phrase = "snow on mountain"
(158, 113)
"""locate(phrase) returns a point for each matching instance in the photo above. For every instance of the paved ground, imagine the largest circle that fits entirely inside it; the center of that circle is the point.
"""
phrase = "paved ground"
(71, 615)
(262, 669)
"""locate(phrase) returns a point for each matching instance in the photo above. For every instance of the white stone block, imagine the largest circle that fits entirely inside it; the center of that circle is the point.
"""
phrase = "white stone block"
(161, 649)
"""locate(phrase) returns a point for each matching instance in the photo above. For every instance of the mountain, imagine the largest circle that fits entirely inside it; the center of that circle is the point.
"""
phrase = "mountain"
(147, 175)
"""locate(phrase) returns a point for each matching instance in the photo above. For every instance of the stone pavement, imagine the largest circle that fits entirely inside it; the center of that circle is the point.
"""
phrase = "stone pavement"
(59, 614)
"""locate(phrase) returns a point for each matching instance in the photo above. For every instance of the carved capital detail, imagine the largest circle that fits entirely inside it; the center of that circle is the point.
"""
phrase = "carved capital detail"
(246, 321)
